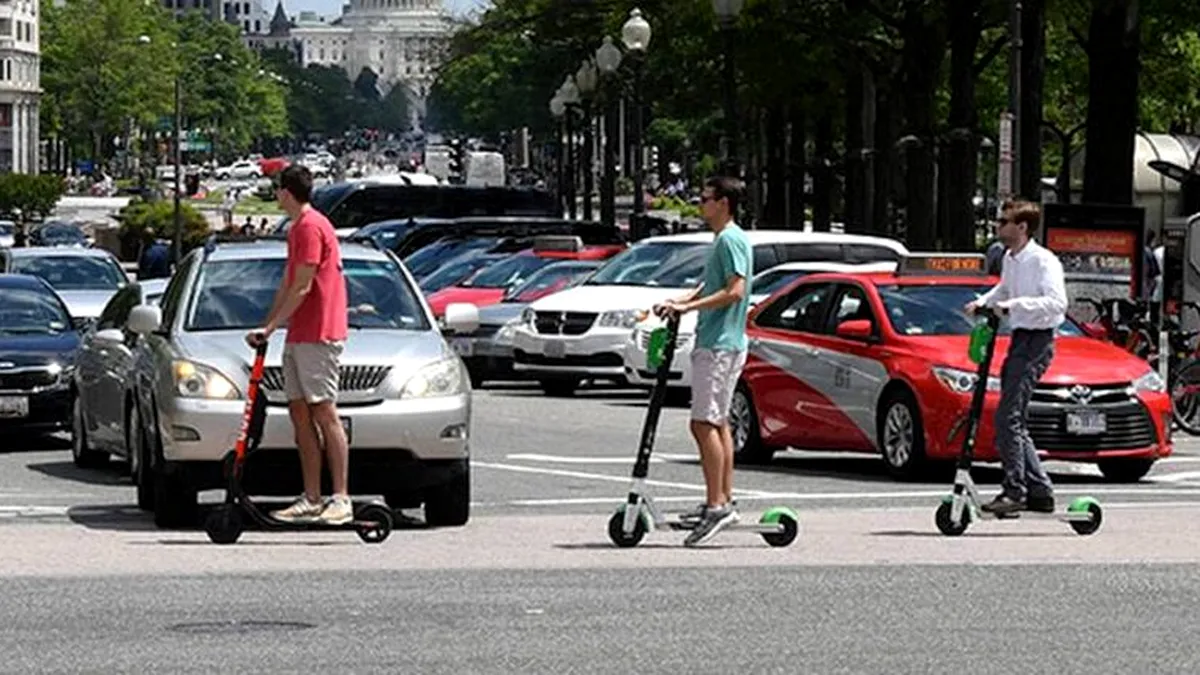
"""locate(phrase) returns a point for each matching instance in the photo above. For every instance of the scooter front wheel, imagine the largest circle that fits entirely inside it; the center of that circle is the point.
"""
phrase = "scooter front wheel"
(376, 523)
(616, 530)
(224, 524)
(944, 522)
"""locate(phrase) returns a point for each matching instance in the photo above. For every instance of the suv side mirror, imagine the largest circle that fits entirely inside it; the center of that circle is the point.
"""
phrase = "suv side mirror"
(462, 318)
(144, 319)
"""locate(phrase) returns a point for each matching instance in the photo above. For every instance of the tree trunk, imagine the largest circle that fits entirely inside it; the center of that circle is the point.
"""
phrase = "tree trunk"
(857, 200)
(959, 156)
(922, 56)
(1113, 44)
(775, 212)
(823, 172)
(884, 138)
(797, 167)
(1033, 80)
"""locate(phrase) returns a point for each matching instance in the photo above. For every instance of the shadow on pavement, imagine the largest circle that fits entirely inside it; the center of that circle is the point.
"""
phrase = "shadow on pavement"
(597, 546)
(119, 517)
(110, 475)
(22, 442)
(969, 535)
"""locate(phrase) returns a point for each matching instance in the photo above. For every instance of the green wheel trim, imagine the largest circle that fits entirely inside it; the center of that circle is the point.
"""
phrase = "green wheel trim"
(1082, 504)
(775, 513)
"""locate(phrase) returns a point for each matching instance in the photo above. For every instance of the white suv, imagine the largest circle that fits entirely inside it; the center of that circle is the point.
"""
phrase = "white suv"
(581, 333)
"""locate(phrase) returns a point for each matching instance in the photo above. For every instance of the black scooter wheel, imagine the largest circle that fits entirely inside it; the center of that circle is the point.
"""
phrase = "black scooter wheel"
(377, 523)
(946, 526)
(224, 524)
(616, 530)
(791, 529)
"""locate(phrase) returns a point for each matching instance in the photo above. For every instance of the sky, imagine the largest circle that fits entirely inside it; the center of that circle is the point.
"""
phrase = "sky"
(333, 7)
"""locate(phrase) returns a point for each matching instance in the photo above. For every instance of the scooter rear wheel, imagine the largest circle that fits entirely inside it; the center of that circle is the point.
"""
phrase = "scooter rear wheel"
(377, 525)
(791, 528)
(944, 523)
(224, 524)
(616, 530)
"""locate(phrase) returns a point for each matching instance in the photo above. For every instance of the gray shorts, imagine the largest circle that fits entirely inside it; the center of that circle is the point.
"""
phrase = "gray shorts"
(310, 371)
(714, 377)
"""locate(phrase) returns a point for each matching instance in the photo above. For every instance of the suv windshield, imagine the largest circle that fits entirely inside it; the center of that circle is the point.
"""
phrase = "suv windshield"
(236, 294)
(72, 272)
(508, 273)
(772, 280)
(655, 264)
(456, 270)
(938, 310)
(24, 311)
(550, 279)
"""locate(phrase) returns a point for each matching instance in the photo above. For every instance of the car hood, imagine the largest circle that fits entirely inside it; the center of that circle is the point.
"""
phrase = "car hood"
(24, 351)
(86, 304)
(606, 298)
(1077, 360)
(405, 352)
(501, 313)
(480, 297)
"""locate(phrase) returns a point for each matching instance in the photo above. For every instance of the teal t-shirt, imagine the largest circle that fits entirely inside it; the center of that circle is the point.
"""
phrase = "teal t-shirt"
(725, 327)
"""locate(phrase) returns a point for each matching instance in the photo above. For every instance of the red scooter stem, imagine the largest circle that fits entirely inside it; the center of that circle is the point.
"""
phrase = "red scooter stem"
(256, 374)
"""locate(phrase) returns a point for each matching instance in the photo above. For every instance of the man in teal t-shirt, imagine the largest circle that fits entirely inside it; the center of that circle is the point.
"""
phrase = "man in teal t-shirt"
(720, 352)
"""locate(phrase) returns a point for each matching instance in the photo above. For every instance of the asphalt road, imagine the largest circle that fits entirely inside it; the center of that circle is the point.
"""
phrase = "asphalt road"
(533, 585)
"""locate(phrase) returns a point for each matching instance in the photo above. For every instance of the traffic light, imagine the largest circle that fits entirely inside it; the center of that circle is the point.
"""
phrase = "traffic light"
(458, 160)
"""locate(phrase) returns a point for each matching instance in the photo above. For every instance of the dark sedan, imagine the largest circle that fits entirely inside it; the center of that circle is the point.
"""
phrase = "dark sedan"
(38, 344)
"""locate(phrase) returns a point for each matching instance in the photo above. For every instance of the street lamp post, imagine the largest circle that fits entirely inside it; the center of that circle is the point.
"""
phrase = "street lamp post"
(570, 98)
(586, 79)
(557, 110)
(608, 60)
(636, 35)
(727, 12)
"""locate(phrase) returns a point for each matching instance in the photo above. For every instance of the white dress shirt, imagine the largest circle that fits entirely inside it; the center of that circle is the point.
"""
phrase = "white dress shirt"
(1031, 288)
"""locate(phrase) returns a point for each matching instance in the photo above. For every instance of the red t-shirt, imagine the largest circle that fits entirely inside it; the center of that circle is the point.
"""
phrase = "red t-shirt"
(321, 316)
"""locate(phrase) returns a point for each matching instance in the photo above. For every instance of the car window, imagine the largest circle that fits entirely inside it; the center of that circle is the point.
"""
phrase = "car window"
(172, 297)
(937, 309)
(28, 311)
(765, 257)
(802, 309)
(426, 260)
(236, 295)
(811, 252)
(73, 273)
(851, 305)
(508, 273)
(868, 253)
(550, 280)
(772, 280)
(455, 271)
(645, 264)
(117, 310)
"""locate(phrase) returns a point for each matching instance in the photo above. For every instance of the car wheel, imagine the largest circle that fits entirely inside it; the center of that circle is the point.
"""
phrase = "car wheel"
(748, 447)
(139, 460)
(83, 455)
(174, 498)
(901, 436)
(449, 504)
(1125, 470)
(559, 386)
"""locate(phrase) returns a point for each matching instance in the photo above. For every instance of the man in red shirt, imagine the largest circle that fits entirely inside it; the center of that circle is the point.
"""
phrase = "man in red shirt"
(311, 301)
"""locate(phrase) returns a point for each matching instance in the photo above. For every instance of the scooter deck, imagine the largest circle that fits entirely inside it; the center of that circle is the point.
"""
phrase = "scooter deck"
(266, 521)
(758, 528)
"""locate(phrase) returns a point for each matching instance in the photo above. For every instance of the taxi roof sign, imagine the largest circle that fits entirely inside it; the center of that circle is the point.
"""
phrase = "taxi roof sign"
(943, 265)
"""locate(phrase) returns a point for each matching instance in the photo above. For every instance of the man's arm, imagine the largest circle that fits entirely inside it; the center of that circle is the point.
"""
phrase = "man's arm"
(276, 302)
(292, 297)
(735, 261)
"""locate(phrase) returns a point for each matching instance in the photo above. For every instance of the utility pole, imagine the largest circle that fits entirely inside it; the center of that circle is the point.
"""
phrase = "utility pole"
(177, 254)
(1010, 122)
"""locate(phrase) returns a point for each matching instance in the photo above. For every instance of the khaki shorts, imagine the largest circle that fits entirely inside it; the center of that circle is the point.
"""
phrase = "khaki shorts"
(310, 371)
(714, 377)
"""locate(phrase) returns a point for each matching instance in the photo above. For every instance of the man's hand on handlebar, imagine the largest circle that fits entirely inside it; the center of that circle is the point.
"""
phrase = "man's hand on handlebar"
(666, 309)
(257, 338)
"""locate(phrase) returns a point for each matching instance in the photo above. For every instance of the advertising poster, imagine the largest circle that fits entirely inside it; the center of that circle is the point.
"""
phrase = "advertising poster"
(1100, 247)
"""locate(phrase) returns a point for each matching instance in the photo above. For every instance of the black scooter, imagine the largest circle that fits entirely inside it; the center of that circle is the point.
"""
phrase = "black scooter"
(373, 521)
(959, 509)
(778, 526)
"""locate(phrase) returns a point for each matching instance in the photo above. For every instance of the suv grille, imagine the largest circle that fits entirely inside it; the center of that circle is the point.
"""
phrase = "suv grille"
(350, 378)
(564, 323)
(27, 379)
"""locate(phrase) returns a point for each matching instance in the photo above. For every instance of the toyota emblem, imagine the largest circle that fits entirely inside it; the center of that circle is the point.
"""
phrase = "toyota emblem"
(1081, 393)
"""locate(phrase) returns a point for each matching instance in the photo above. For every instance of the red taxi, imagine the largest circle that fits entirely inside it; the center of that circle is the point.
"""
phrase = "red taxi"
(877, 362)
(489, 285)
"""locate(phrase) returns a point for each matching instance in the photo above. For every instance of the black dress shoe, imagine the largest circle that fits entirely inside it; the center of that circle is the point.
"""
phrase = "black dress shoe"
(1040, 504)
(1004, 505)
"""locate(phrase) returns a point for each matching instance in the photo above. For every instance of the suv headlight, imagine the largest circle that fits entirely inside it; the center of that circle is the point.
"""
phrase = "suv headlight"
(441, 378)
(504, 336)
(196, 380)
(962, 381)
(1150, 382)
(624, 318)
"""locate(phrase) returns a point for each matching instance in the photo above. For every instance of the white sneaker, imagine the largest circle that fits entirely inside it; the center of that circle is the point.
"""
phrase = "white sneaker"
(301, 510)
(338, 511)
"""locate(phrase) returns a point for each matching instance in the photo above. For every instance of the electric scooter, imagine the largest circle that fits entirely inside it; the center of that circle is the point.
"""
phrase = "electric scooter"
(373, 521)
(778, 526)
(959, 509)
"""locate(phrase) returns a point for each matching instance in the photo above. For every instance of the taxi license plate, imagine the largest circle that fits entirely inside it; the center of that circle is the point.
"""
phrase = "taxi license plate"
(346, 426)
(14, 406)
(556, 350)
(463, 346)
(1086, 422)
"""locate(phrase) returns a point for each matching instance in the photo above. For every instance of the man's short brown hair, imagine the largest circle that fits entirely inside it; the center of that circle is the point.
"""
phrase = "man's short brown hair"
(729, 188)
(1021, 211)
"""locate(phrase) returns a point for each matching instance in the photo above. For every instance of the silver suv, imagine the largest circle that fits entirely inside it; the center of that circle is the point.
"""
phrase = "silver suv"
(405, 397)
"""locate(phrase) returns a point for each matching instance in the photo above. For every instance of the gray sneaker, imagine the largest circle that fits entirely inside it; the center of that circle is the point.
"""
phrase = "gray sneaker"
(697, 512)
(711, 524)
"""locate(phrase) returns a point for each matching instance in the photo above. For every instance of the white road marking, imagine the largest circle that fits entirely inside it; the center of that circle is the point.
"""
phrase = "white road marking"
(656, 458)
(1177, 477)
(599, 477)
(1185, 459)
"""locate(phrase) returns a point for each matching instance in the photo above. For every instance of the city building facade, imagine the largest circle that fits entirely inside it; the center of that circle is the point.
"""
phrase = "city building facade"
(20, 86)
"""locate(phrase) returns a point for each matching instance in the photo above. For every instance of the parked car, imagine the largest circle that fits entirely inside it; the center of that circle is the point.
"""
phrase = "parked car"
(38, 344)
(404, 397)
(458, 269)
(56, 233)
(8, 233)
(85, 278)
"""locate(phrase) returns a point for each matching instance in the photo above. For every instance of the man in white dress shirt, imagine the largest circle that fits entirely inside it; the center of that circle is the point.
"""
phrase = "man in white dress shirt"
(1032, 293)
